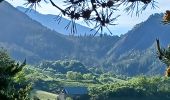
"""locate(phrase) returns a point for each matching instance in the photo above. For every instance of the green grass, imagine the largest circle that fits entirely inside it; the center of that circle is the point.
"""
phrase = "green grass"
(43, 95)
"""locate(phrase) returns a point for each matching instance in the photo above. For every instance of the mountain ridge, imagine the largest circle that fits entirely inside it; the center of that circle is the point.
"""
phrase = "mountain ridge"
(131, 54)
(27, 33)
(50, 21)
(143, 35)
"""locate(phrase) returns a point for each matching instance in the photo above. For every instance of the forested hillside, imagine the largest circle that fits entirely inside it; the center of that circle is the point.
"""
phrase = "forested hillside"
(137, 49)
(32, 40)
(131, 54)
(26, 38)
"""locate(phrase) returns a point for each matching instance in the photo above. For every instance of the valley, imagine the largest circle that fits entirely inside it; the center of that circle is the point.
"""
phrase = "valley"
(83, 66)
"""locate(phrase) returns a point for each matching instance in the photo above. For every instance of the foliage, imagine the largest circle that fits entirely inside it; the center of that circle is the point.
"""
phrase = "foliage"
(74, 75)
(9, 88)
(141, 87)
(88, 76)
(69, 98)
(64, 66)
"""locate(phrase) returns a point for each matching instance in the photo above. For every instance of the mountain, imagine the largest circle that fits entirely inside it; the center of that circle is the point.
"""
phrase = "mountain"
(51, 22)
(26, 38)
(131, 54)
(136, 51)
(143, 35)
(23, 37)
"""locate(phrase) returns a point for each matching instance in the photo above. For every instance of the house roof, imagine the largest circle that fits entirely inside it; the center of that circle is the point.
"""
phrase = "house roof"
(76, 90)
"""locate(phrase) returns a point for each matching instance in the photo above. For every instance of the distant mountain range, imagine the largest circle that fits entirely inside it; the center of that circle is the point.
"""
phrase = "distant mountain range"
(50, 21)
(24, 37)
(131, 54)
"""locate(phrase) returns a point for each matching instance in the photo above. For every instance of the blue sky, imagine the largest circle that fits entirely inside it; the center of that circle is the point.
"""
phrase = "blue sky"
(125, 22)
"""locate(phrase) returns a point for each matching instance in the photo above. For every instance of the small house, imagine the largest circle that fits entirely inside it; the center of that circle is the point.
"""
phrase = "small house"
(76, 93)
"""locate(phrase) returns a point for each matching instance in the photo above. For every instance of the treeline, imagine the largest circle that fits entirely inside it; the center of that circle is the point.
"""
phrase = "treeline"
(63, 66)
(136, 88)
(72, 70)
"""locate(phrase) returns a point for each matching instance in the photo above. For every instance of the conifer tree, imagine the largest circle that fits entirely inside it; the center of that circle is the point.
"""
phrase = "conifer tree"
(9, 89)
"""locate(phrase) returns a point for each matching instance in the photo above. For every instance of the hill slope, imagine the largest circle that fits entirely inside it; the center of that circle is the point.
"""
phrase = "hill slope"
(132, 54)
(49, 21)
(143, 35)
(24, 37)
(136, 51)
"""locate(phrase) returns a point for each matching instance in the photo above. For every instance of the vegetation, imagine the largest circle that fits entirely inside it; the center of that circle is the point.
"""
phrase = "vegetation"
(109, 86)
(51, 76)
(11, 87)
(64, 66)
(131, 56)
(142, 88)
(42, 95)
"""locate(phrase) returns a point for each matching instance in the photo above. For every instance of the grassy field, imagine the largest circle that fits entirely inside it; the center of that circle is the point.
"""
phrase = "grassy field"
(43, 95)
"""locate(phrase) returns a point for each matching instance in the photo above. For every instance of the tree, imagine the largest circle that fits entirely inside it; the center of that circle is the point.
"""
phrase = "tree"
(9, 88)
(145, 88)
(88, 76)
(70, 75)
(74, 75)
